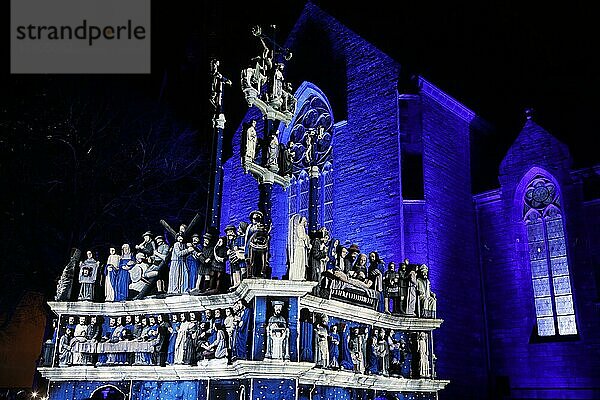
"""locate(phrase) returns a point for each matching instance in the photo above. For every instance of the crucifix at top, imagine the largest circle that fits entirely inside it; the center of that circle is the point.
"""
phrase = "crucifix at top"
(264, 87)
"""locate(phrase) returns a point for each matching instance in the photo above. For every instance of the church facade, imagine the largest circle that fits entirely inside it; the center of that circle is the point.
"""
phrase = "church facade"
(513, 268)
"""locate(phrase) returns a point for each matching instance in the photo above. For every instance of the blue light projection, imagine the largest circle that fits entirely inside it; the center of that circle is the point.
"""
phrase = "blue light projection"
(78, 390)
(269, 389)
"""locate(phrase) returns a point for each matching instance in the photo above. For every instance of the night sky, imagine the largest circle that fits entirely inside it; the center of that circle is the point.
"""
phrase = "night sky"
(71, 146)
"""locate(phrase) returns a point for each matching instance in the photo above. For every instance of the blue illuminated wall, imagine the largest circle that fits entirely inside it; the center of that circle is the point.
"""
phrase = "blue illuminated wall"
(451, 249)
(524, 365)
(367, 194)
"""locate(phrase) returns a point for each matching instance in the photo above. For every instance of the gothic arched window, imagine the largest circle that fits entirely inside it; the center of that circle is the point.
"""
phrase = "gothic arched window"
(552, 288)
(310, 135)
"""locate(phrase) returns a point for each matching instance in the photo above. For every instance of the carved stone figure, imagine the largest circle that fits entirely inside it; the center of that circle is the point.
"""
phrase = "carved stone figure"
(88, 272)
(289, 101)
(136, 275)
(383, 353)
(65, 356)
(359, 269)
(423, 350)
(190, 353)
(351, 256)
(159, 257)
(219, 280)
(111, 271)
(250, 142)
(411, 294)
(204, 257)
(242, 324)
(390, 286)
(318, 255)
(278, 334)
(192, 262)
(173, 338)
(122, 286)
(79, 336)
(286, 158)
(297, 248)
(257, 246)
(271, 161)
(217, 82)
(182, 338)
(373, 359)
(357, 350)
(334, 347)
(427, 299)
(65, 283)
(178, 274)
(94, 335)
(147, 247)
(236, 255)
(277, 86)
(164, 339)
(321, 342)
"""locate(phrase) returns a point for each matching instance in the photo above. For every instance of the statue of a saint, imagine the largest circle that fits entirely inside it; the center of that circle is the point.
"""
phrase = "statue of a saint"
(178, 273)
(427, 299)
(111, 271)
(321, 342)
(423, 350)
(297, 248)
(250, 142)
(278, 334)
(271, 162)
(88, 271)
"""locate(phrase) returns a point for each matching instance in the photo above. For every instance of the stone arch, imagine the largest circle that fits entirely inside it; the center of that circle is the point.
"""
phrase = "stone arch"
(108, 392)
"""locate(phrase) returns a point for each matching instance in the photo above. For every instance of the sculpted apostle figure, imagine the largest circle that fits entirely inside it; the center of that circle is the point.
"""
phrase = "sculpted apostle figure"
(278, 333)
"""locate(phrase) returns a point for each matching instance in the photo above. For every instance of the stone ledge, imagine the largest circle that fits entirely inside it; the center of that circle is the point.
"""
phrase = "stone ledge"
(368, 316)
(306, 373)
(249, 289)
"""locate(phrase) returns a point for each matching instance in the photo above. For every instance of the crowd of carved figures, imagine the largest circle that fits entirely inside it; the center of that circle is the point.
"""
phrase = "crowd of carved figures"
(186, 338)
(370, 350)
(194, 338)
(198, 265)
(404, 289)
(211, 264)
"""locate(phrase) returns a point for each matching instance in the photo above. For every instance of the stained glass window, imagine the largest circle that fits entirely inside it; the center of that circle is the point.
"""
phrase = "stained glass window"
(311, 143)
(547, 248)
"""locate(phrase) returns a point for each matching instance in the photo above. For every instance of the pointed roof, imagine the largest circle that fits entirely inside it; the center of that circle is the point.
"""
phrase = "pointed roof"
(535, 146)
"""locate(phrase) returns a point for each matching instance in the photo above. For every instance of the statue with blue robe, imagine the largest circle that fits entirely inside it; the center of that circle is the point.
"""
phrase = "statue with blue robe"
(242, 326)
(122, 281)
